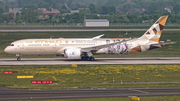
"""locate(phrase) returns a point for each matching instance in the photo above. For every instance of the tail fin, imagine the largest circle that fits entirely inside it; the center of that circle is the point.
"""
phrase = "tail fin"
(153, 34)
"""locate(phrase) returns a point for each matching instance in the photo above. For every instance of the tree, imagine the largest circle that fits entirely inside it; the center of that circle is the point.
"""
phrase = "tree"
(92, 8)
(31, 6)
(49, 9)
(6, 8)
(6, 18)
(64, 9)
(56, 5)
(77, 18)
(69, 3)
(62, 21)
(153, 7)
(1, 10)
(126, 7)
(50, 16)
(18, 18)
(1, 4)
(105, 10)
(44, 5)
(81, 5)
(98, 9)
(112, 9)
(177, 8)
(29, 16)
(84, 10)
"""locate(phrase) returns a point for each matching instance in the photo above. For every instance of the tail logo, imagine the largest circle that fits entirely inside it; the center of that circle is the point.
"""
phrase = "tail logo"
(151, 36)
(154, 33)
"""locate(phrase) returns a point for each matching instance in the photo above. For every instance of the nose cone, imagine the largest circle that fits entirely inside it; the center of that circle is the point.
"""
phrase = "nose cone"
(7, 50)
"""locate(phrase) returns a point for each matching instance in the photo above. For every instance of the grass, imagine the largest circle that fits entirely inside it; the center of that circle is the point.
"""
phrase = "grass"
(155, 98)
(65, 76)
(169, 51)
(6, 27)
(94, 86)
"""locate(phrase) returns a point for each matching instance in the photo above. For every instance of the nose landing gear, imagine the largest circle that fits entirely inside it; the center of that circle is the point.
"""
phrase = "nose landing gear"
(18, 59)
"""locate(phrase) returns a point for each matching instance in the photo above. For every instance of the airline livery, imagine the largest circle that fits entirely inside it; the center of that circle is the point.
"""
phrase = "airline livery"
(75, 48)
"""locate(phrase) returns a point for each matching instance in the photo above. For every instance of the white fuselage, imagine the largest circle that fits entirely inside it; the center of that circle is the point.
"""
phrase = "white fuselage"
(50, 46)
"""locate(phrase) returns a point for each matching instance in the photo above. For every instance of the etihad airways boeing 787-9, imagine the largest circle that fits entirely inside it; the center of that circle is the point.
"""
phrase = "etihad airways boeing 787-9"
(84, 48)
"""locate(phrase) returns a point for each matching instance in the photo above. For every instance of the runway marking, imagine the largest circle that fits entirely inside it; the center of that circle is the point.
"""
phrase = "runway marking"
(53, 61)
(138, 91)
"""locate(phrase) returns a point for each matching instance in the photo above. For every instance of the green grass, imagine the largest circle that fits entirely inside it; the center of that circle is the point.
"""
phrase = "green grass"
(167, 51)
(94, 76)
(6, 27)
(68, 86)
(154, 98)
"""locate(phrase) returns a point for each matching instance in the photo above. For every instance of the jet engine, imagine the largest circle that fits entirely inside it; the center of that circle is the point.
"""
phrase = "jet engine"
(72, 53)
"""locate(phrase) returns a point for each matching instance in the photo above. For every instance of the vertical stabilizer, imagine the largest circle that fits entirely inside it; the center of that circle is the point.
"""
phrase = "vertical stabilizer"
(154, 32)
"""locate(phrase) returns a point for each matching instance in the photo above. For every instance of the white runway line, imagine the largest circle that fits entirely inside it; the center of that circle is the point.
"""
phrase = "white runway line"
(56, 61)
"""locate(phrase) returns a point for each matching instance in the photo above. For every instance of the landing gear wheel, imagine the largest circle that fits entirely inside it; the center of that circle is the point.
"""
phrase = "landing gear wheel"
(92, 58)
(86, 58)
(18, 59)
(82, 58)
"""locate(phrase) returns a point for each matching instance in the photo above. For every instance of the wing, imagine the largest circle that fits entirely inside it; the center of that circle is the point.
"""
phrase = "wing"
(95, 48)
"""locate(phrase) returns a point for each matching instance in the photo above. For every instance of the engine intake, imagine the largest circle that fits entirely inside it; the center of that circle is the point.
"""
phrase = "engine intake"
(72, 53)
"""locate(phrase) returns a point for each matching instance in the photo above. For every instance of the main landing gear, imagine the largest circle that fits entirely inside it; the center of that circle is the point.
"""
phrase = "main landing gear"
(87, 58)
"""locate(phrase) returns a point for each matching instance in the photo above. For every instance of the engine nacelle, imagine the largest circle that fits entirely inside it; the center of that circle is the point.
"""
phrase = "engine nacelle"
(72, 53)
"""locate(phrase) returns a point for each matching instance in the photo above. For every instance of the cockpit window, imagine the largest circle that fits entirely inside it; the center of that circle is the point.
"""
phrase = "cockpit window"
(11, 44)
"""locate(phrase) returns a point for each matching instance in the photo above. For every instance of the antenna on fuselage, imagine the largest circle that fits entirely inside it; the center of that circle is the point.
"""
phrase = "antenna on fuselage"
(51, 36)
(126, 33)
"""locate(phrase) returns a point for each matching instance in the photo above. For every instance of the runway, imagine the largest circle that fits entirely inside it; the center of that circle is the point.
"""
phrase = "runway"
(38, 94)
(79, 30)
(61, 61)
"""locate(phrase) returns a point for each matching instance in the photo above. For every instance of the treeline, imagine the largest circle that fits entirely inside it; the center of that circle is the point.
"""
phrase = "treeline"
(100, 6)
(89, 9)
(30, 16)
(39, 3)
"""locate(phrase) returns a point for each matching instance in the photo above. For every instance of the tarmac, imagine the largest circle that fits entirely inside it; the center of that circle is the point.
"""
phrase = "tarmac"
(7, 94)
(62, 61)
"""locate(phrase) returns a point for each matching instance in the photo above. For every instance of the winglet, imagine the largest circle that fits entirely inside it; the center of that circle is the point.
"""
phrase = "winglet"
(97, 37)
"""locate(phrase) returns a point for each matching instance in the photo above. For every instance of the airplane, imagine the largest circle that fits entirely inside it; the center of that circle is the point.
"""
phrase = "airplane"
(85, 48)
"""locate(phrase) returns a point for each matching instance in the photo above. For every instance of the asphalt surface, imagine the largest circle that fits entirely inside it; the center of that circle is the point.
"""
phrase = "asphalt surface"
(38, 94)
(79, 30)
(60, 61)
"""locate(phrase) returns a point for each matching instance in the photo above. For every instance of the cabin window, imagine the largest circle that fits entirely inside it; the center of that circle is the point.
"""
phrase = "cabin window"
(11, 44)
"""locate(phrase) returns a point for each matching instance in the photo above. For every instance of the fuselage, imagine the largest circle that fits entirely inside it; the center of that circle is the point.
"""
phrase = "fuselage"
(50, 46)
(57, 46)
